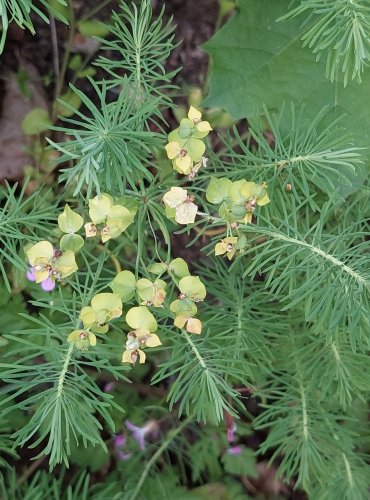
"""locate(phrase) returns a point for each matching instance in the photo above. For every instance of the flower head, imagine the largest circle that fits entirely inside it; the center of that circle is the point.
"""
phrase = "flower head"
(139, 433)
(226, 246)
(119, 443)
(83, 339)
(151, 293)
(246, 196)
(114, 218)
(104, 307)
(179, 156)
(136, 341)
(180, 205)
(48, 264)
(196, 117)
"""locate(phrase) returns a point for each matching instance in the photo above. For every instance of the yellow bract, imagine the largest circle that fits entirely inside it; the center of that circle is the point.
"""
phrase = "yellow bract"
(180, 157)
(195, 116)
(83, 339)
(193, 325)
(226, 245)
(175, 197)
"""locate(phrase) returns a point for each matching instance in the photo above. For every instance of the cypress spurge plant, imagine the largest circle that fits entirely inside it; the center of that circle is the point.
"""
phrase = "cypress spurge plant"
(276, 305)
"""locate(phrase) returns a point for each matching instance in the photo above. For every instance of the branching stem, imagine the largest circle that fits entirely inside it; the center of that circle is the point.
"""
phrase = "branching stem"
(170, 437)
(336, 262)
(63, 373)
(195, 350)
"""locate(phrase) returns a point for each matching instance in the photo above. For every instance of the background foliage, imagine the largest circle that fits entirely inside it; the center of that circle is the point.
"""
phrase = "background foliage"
(279, 378)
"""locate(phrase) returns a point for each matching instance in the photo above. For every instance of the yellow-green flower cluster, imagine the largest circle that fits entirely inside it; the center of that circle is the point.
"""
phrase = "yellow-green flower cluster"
(192, 290)
(144, 324)
(95, 318)
(185, 147)
(48, 262)
(179, 205)
(237, 203)
(140, 319)
(112, 217)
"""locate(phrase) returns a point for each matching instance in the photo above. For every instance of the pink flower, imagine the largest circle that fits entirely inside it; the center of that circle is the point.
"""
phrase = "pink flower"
(139, 433)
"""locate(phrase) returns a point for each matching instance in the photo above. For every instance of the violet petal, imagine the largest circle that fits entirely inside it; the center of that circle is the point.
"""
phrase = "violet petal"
(30, 274)
(48, 285)
(234, 450)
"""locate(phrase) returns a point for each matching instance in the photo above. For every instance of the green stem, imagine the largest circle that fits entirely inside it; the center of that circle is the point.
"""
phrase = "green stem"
(170, 437)
(95, 10)
(333, 260)
(63, 373)
(195, 350)
(69, 44)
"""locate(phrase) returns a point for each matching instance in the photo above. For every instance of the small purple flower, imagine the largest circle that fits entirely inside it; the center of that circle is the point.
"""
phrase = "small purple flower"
(30, 274)
(109, 387)
(119, 442)
(231, 432)
(47, 285)
(234, 450)
(139, 433)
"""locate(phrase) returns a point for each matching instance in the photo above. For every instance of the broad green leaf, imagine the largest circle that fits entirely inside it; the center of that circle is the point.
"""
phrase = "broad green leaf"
(36, 121)
(218, 189)
(141, 318)
(92, 28)
(60, 10)
(73, 242)
(69, 221)
(67, 103)
(256, 61)
(124, 285)
(241, 462)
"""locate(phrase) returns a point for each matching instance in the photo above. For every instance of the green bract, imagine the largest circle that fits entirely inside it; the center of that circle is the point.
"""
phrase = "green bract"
(218, 190)
(141, 318)
(69, 221)
(192, 287)
(104, 307)
(179, 268)
(114, 216)
(124, 285)
(151, 293)
(73, 242)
